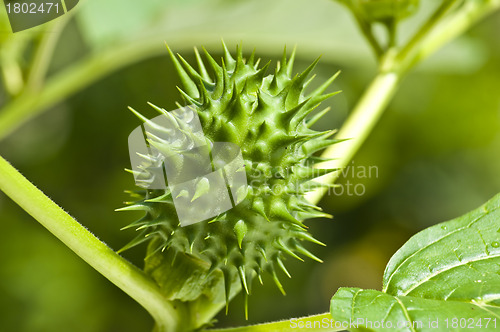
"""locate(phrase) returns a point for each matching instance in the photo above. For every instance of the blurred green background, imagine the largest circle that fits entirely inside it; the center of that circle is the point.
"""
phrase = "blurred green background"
(436, 149)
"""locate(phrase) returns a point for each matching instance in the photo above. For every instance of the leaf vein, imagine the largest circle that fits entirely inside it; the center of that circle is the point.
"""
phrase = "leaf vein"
(354, 303)
(406, 314)
(485, 213)
(423, 281)
(488, 311)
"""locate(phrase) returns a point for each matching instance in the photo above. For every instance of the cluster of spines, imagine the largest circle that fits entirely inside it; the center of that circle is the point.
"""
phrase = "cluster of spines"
(267, 116)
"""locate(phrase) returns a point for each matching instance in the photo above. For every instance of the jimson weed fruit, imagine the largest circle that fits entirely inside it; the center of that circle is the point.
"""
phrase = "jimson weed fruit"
(268, 117)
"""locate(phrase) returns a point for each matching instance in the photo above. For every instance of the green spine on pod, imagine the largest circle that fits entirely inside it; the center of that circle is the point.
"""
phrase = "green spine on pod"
(267, 116)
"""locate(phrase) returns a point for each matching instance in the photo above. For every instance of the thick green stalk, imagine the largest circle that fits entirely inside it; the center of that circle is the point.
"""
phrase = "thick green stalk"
(321, 323)
(119, 271)
(438, 30)
(357, 128)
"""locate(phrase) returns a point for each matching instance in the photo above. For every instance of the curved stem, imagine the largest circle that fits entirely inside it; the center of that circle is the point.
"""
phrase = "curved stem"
(31, 103)
(43, 55)
(439, 30)
(366, 29)
(321, 323)
(470, 13)
(119, 271)
(357, 128)
(433, 20)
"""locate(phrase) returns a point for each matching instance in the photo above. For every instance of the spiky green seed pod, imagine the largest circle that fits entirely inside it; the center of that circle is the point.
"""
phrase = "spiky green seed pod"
(267, 117)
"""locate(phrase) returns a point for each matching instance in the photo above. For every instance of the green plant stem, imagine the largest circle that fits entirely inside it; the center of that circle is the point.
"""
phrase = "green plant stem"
(119, 271)
(206, 310)
(357, 128)
(470, 13)
(391, 26)
(44, 54)
(287, 325)
(430, 24)
(366, 29)
(393, 68)
(82, 74)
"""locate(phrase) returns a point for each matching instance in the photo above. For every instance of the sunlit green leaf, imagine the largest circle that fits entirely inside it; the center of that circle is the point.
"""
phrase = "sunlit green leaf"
(447, 274)
(456, 260)
(378, 311)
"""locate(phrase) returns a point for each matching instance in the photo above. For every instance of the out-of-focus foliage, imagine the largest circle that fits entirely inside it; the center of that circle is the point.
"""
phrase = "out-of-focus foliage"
(382, 10)
(436, 151)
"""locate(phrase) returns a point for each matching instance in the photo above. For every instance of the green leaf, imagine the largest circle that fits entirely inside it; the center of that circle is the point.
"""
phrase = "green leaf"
(377, 311)
(454, 260)
(448, 271)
